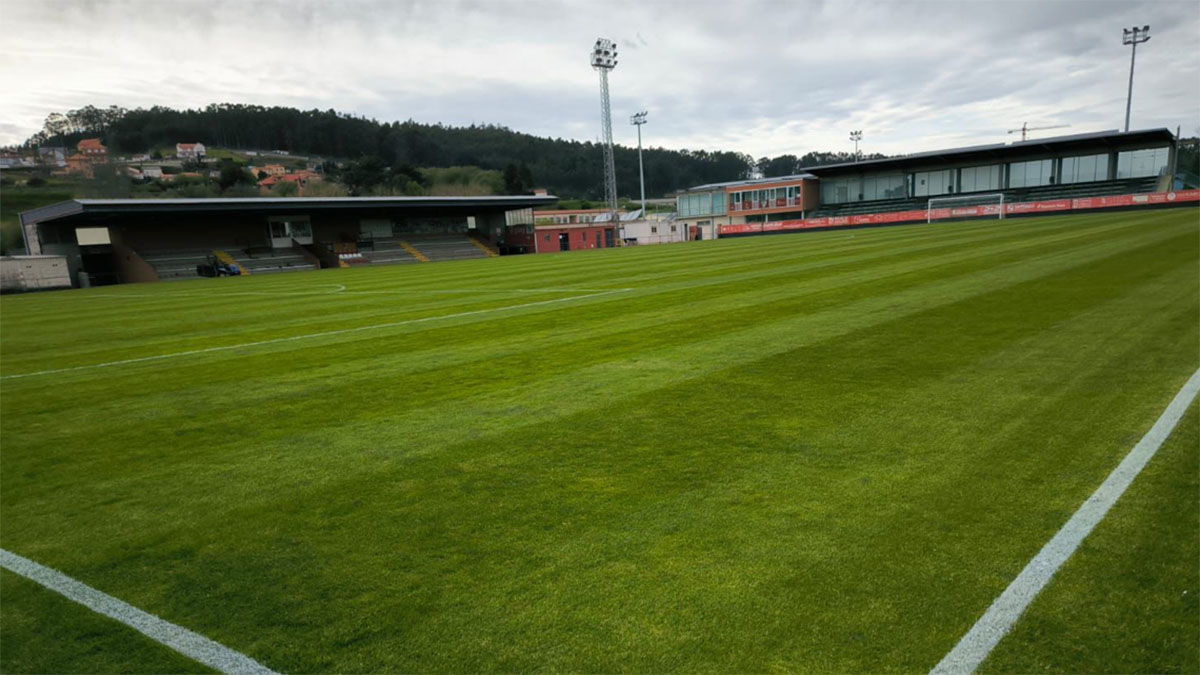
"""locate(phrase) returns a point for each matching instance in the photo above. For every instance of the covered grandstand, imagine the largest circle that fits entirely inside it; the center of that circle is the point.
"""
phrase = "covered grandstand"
(1061, 173)
(134, 240)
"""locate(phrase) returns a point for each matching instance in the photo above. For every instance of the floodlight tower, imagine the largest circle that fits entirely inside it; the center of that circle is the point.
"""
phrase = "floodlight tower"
(604, 59)
(1133, 36)
(856, 136)
(638, 120)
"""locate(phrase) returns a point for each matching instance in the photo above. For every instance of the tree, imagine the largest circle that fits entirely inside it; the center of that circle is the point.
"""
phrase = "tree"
(232, 174)
(512, 179)
(362, 175)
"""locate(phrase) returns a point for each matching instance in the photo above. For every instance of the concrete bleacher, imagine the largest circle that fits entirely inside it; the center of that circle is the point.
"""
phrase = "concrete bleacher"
(386, 251)
(269, 261)
(176, 263)
(1032, 194)
(437, 247)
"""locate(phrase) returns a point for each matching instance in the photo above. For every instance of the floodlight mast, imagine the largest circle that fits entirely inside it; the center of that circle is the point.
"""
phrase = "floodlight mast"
(1133, 36)
(604, 59)
(638, 120)
(856, 136)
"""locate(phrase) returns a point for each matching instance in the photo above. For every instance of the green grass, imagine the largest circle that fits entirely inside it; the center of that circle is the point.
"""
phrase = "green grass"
(818, 452)
(1145, 556)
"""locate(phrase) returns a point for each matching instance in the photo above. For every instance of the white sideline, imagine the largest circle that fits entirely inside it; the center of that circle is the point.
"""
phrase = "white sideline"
(182, 640)
(995, 623)
(309, 336)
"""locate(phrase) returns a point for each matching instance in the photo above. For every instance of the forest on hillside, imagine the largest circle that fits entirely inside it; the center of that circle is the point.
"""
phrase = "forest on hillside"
(565, 167)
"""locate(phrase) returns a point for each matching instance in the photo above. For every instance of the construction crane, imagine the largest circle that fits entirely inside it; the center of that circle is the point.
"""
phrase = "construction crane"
(1025, 128)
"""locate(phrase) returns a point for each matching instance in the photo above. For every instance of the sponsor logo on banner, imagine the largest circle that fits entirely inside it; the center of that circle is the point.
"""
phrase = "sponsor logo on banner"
(950, 212)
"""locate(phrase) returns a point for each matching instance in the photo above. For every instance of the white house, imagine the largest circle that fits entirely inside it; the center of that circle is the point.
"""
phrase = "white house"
(152, 172)
(189, 150)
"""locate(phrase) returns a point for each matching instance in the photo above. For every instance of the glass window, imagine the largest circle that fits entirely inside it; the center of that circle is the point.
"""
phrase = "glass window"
(933, 183)
(1140, 163)
(1031, 174)
(979, 178)
(1084, 169)
(718, 203)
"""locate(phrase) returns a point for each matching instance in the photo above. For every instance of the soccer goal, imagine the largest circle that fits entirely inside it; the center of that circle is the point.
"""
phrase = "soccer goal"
(965, 206)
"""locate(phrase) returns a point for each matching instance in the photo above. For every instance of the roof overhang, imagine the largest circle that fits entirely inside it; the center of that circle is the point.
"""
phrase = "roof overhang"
(1107, 140)
(87, 209)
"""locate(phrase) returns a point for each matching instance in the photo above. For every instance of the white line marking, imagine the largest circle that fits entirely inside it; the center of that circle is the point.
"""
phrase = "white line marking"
(193, 645)
(309, 336)
(341, 290)
(995, 623)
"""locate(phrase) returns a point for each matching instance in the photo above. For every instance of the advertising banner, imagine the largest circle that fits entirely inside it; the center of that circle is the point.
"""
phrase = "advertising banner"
(1047, 206)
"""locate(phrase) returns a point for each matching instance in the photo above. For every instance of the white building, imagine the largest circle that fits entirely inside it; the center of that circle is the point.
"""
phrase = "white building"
(189, 150)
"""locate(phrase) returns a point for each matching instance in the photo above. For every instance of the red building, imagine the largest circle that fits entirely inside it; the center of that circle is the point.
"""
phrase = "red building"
(93, 149)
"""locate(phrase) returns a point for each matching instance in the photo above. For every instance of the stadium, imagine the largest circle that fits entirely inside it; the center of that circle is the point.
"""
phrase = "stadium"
(935, 412)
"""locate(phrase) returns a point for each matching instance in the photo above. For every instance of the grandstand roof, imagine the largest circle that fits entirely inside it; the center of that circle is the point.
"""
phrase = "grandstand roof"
(1111, 139)
(86, 208)
(751, 181)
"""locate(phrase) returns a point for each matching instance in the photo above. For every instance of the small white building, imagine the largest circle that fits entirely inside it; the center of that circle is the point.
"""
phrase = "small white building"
(152, 172)
(189, 150)
(33, 272)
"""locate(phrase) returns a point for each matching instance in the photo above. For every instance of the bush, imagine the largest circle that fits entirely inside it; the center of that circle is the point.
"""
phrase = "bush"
(36, 181)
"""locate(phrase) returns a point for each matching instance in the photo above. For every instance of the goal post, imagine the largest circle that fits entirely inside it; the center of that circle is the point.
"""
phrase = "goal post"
(965, 206)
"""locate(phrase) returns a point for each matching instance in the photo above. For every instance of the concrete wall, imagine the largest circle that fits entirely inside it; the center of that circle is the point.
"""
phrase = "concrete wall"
(33, 273)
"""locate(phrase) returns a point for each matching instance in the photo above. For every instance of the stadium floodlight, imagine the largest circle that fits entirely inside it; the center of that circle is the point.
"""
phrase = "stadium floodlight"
(856, 136)
(604, 59)
(1133, 36)
(638, 120)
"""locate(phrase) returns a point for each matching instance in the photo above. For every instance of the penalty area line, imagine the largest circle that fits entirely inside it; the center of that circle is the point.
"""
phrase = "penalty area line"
(192, 645)
(310, 336)
(1004, 612)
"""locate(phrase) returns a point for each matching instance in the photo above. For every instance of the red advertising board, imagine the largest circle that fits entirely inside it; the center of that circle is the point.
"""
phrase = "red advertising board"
(1048, 206)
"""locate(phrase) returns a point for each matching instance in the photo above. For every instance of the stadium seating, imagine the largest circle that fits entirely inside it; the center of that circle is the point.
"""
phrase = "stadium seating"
(1031, 194)
(176, 263)
(267, 261)
(446, 247)
(387, 251)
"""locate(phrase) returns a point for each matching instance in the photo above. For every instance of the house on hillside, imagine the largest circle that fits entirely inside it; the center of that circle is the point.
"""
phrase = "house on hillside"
(52, 156)
(189, 150)
(274, 169)
(155, 172)
(80, 165)
(300, 178)
(93, 150)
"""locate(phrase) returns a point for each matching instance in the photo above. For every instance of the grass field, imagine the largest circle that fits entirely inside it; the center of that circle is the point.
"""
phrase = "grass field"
(819, 452)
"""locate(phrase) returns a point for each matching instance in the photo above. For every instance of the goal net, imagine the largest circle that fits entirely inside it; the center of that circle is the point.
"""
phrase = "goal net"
(965, 206)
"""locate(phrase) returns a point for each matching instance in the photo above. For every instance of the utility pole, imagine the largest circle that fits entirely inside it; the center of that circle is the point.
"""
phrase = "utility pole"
(856, 136)
(604, 59)
(1133, 36)
(638, 120)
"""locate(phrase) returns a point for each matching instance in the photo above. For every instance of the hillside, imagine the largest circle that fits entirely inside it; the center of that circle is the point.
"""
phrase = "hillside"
(565, 167)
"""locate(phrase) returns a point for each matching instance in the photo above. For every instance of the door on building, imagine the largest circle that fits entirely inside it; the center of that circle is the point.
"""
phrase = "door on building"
(608, 238)
(564, 241)
(598, 244)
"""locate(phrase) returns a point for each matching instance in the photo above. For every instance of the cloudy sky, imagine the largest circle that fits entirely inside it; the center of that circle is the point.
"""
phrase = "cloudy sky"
(764, 78)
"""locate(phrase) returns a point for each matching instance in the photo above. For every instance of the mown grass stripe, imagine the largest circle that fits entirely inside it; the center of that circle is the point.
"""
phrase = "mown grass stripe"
(1000, 617)
(307, 336)
(190, 644)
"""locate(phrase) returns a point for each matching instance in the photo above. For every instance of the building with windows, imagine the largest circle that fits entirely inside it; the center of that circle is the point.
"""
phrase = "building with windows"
(1060, 173)
(93, 150)
(704, 208)
(1107, 162)
(189, 150)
